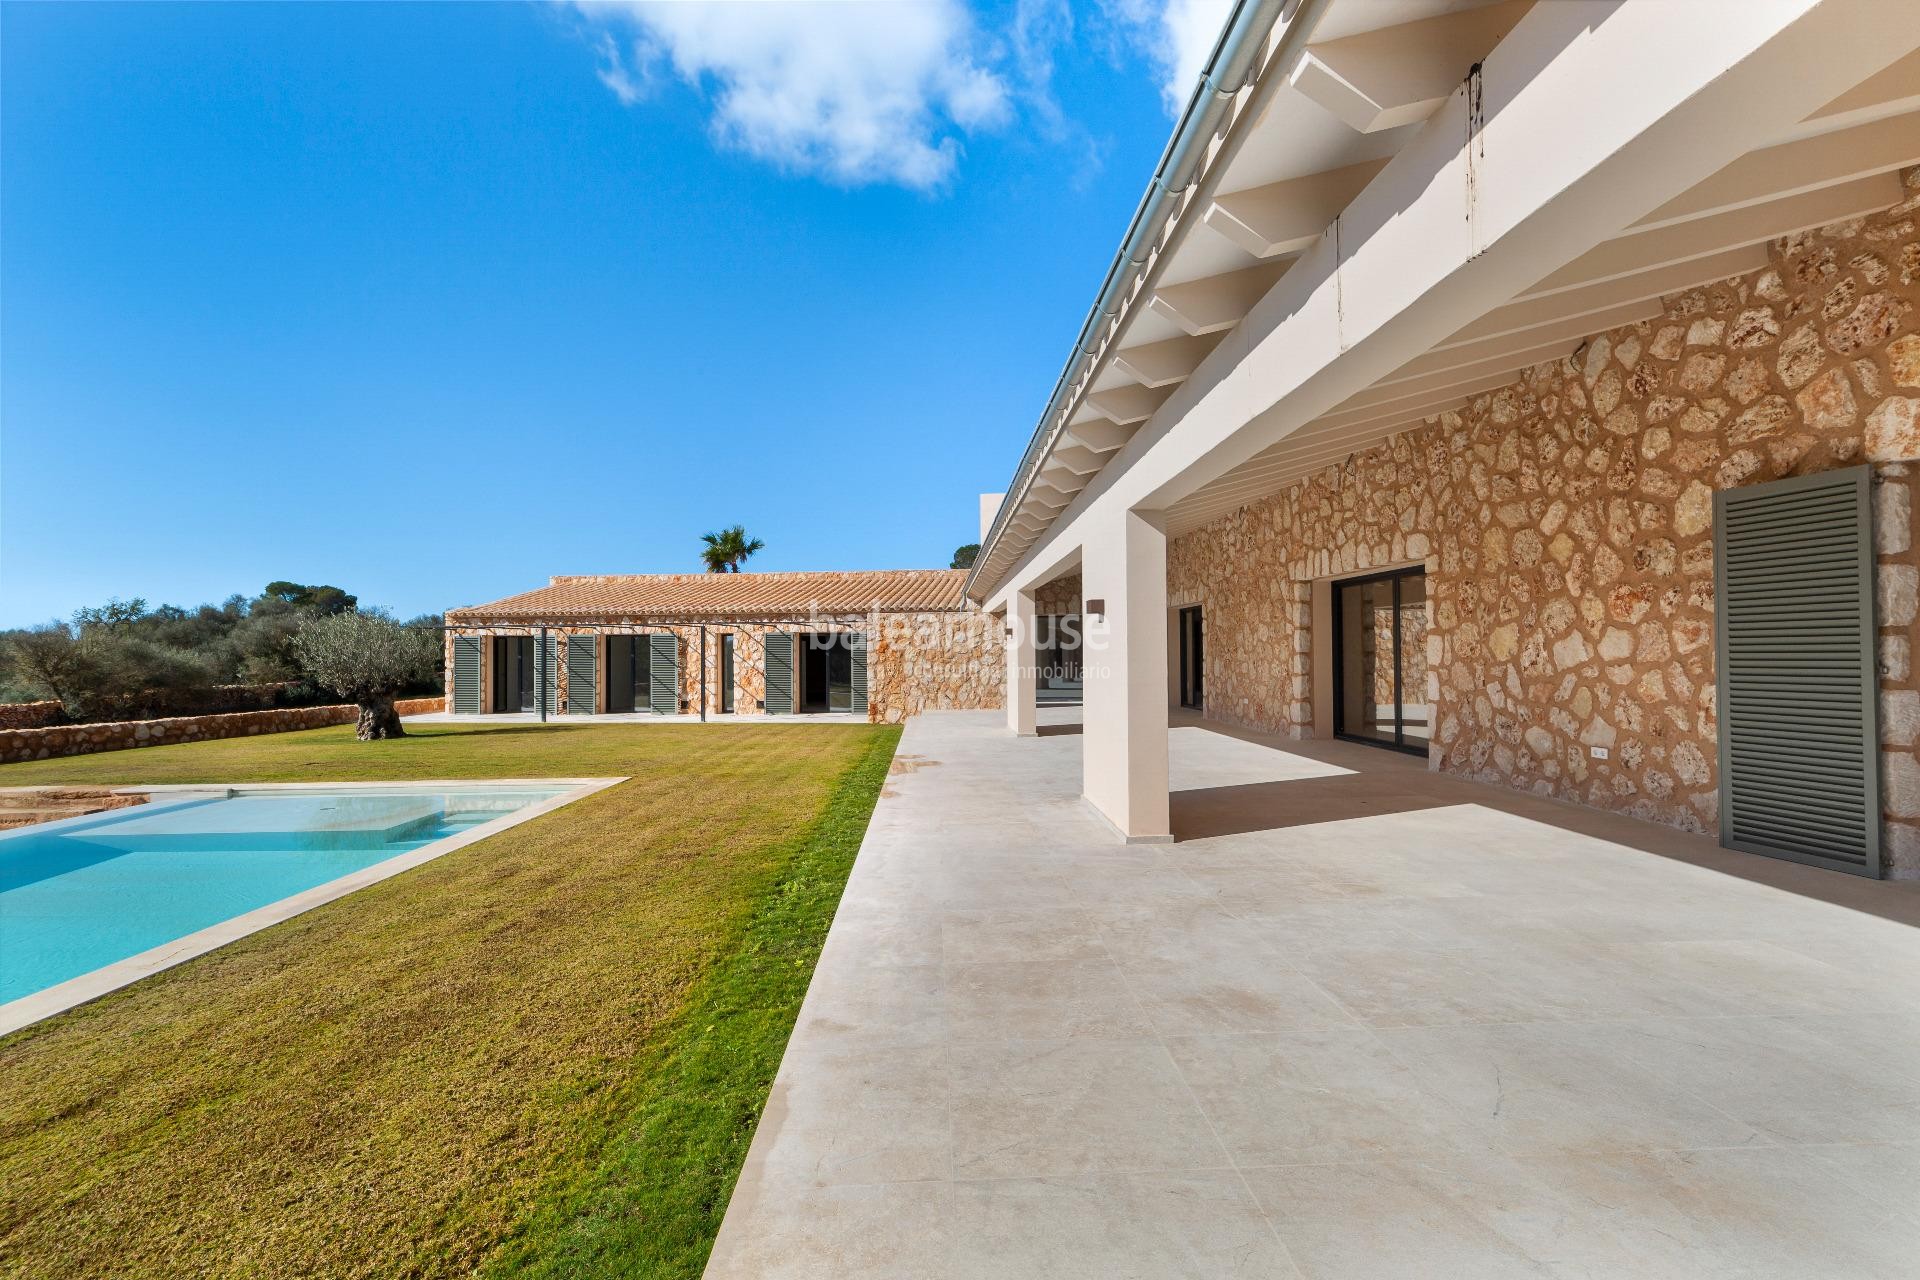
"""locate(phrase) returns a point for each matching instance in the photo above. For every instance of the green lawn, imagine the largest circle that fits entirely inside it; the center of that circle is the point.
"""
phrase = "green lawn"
(543, 1054)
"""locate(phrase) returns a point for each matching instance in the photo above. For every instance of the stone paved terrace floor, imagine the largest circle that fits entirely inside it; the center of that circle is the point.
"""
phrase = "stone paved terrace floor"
(1360, 1021)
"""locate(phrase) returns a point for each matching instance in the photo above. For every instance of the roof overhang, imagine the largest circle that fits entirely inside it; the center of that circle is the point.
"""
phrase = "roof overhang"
(1333, 137)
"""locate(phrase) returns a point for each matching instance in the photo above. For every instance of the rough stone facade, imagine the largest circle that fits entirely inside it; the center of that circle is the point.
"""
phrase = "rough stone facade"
(1564, 522)
(940, 662)
(1059, 597)
(83, 739)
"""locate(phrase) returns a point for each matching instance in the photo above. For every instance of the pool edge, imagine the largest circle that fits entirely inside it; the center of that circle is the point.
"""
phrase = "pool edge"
(16, 1015)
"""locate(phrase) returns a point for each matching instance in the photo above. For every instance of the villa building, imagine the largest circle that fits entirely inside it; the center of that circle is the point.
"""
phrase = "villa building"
(881, 645)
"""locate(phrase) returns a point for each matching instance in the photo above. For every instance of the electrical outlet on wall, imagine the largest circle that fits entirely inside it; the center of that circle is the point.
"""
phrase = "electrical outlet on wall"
(1600, 753)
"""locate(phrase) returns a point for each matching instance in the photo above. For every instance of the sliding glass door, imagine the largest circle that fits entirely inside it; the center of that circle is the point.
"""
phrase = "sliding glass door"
(1193, 662)
(512, 673)
(1380, 660)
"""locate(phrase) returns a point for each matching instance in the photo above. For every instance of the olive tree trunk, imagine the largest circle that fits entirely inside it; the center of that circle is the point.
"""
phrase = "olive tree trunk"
(378, 719)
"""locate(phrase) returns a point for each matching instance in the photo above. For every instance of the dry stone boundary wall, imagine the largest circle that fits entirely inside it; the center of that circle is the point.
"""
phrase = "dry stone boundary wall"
(17, 745)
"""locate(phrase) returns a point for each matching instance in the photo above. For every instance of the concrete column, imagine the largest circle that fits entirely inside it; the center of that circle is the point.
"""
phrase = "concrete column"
(1124, 747)
(1022, 665)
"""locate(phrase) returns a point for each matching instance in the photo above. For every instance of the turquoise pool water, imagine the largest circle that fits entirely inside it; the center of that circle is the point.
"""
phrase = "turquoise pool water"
(85, 893)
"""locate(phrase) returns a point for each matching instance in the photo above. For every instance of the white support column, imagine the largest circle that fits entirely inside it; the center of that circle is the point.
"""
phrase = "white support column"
(1022, 665)
(1124, 743)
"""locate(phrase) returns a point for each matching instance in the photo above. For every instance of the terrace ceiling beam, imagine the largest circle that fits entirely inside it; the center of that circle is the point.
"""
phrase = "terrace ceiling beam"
(1064, 480)
(1564, 330)
(1639, 251)
(1101, 437)
(1892, 89)
(1161, 364)
(1129, 404)
(1047, 493)
(1214, 304)
(1793, 167)
(1077, 460)
(1400, 75)
(1051, 504)
(1595, 299)
(1285, 218)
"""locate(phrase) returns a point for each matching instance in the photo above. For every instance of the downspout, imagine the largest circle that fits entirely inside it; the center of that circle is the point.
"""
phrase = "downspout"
(540, 675)
(1226, 73)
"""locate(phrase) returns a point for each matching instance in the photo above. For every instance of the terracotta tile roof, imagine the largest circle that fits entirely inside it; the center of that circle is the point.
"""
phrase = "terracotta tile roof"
(741, 596)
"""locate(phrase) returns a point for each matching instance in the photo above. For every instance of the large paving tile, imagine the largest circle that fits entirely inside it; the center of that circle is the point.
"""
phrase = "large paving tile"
(883, 1232)
(872, 1005)
(857, 1115)
(1537, 1088)
(1523, 973)
(1268, 889)
(869, 934)
(1063, 1107)
(1157, 885)
(1796, 1079)
(1019, 933)
(1409, 986)
(1042, 1000)
(1754, 1214)
(1756, 976)
(1315, 1096)
(1399, 1219)
(1769, 1213)
(1162, 1226)
(1198, 970)
(1886, 1174)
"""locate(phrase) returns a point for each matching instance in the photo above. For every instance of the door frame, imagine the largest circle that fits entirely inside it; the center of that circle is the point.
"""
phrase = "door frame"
(1400, 743)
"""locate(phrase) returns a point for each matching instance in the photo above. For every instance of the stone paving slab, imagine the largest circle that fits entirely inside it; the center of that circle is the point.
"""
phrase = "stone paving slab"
(1360, 1020)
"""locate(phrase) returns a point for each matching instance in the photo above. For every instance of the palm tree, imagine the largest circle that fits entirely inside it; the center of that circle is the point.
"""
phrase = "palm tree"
(727, 549)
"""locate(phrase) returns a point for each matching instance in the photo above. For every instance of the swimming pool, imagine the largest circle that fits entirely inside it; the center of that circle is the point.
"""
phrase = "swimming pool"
(88, 904)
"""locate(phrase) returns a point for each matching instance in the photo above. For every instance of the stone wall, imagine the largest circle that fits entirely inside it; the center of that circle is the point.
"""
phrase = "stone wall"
(936, 662)
(1058, 598)
(17, 745)
(1564, 522)
(915, 661)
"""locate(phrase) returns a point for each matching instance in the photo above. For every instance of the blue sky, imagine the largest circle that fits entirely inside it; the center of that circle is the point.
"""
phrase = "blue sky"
(432, 301)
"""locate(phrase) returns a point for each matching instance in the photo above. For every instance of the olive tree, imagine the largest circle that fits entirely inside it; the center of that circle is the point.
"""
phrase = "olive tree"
(368, 657)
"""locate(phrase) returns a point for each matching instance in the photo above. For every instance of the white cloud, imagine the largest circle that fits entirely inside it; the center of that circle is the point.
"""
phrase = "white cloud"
(1176, 35)
(860, 91)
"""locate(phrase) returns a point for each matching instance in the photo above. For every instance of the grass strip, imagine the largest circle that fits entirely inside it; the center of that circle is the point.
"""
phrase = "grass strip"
(653, 1203)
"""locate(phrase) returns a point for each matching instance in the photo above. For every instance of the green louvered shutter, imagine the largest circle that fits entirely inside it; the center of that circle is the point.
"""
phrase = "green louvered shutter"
(581, 694)
(547, 677)
(1794, 633)
(779, 649)
(466, 674)
(663, 672)
(858, 640)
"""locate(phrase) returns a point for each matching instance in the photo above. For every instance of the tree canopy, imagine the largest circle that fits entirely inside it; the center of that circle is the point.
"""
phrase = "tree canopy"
(728, 549)
(125, 659)
(963, 556)
(366, 656)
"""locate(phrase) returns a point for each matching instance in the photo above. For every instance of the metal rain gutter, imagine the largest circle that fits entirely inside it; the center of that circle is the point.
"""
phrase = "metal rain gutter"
(1226, 73)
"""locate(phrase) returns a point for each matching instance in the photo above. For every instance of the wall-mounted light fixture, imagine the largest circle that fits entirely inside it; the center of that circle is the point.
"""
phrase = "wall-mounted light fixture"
(1097, 609)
